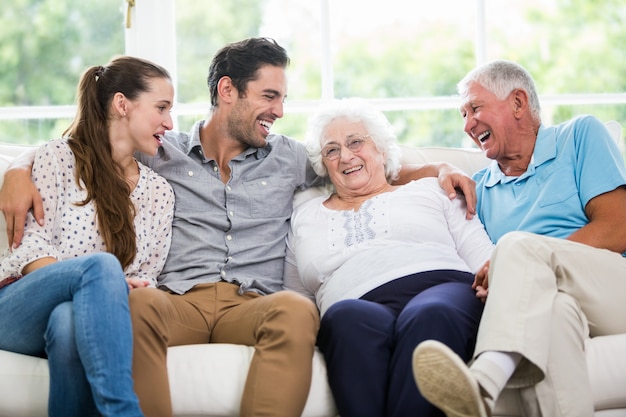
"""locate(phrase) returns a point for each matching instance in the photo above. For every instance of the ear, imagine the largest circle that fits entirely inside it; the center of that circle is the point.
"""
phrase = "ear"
(120, 104)
(519, 102)
(226, 91)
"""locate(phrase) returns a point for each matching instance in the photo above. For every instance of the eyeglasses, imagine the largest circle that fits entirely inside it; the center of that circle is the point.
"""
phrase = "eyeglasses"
(354, 144)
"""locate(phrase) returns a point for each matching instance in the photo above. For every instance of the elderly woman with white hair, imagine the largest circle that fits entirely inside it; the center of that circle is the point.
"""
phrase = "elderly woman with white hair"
(388, 266)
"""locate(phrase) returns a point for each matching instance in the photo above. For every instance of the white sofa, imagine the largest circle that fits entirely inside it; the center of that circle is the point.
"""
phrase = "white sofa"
(207, 380)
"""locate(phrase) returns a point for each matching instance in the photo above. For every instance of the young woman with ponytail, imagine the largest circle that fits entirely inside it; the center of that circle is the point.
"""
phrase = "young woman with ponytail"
(107, 230)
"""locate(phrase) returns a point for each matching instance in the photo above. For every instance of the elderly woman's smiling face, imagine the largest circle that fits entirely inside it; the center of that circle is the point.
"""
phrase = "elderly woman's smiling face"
(354, 164)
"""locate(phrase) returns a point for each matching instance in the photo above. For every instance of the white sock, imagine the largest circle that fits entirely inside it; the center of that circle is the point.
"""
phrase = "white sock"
(506, 361)
(493, 369)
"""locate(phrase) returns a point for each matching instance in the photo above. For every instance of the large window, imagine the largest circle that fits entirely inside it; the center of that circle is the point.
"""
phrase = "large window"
(405, 56)
(44, 47)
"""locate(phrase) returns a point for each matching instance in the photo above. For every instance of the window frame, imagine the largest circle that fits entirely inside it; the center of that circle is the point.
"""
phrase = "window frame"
(157, 42)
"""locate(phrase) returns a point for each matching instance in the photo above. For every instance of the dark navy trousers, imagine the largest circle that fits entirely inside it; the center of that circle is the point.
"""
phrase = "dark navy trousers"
(368, 343)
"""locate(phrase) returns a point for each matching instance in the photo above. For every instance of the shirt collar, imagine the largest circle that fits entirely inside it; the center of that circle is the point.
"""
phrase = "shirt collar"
(194, 145)
(545, 150)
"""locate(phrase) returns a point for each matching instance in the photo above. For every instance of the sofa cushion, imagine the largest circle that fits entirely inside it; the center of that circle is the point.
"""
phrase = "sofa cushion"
(606, 361)
(24, 383)
(193, 393)
(205, 380)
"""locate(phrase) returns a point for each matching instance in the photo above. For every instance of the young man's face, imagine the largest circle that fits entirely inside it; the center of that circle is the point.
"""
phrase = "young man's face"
(256, 109)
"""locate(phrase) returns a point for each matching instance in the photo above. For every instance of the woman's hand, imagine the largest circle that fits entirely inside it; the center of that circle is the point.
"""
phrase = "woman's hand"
(136, 283)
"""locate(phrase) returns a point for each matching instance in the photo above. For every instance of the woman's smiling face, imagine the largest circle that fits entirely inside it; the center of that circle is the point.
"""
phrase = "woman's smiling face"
(354, 164)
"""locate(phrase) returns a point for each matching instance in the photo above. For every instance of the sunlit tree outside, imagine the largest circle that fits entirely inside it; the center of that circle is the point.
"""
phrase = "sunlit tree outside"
(380, 51)
(45, 45)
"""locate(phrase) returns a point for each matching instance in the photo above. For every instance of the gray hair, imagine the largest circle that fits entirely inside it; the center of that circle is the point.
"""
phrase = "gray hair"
(501, 78)
(355, 110)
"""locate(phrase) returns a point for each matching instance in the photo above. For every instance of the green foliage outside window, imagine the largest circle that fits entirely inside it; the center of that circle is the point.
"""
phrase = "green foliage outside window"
(45, 45)
(576, 46)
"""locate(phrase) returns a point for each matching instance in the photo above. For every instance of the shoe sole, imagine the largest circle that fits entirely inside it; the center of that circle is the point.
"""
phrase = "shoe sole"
(444, 380)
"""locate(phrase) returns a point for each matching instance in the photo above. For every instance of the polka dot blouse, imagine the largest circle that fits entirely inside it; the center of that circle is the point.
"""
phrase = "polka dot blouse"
(71, 230)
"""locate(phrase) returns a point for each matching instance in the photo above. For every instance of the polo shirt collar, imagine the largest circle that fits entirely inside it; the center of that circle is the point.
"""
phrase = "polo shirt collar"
(545, 150)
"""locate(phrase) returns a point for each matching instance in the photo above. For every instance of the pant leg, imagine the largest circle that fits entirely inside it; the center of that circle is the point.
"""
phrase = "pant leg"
(448, 312)
(161, 319)
(526, 275)
(356, 338)
(96, 286)
(282, 327)
(70, 392)
(565, 390)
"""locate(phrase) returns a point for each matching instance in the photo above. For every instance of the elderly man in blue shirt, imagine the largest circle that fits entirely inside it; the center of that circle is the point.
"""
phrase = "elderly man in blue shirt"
(554, 201)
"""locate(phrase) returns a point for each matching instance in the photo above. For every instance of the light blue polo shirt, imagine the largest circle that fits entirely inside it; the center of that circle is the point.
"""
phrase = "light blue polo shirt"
(572, 163)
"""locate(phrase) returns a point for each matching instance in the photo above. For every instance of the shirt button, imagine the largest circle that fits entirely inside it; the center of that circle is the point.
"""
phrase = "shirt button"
(263, 183)
(190, 173)
(215, 169)
(231, 213)
(223, 273)
(228, 187)
(229, 237)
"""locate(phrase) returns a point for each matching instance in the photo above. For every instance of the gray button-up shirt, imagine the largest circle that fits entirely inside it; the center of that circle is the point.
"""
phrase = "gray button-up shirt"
(234, 232)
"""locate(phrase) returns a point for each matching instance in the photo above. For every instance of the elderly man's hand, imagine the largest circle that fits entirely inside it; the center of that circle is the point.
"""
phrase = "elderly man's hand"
(481, 282)
(452, 179)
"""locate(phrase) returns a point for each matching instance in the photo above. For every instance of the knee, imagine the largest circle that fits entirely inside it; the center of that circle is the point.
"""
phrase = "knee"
(517, 242)
(295, 304)
(435, 313)
(105, 262)
(349, 312)
(148, 307)
(352, 321)
(146, 302)
(295, 311)
(104, 270)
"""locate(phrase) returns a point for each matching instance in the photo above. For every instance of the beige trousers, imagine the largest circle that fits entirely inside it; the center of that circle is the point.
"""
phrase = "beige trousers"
(547, 295)
(282, 327)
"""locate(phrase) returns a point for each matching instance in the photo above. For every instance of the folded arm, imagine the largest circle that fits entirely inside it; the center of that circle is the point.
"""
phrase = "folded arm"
(607, 222)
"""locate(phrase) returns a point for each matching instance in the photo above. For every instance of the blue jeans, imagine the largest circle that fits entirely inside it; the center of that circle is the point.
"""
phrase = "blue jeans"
(76, 313)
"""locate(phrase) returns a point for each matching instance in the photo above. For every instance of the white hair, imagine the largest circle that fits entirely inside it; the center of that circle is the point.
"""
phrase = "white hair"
(355, 110)
(501, 78)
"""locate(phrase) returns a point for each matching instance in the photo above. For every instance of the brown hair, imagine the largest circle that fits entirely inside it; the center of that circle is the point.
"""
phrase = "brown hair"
(88, 138)
(241, 62)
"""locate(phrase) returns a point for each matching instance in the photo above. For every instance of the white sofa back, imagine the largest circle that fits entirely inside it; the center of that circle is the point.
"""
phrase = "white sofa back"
(203, 386)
